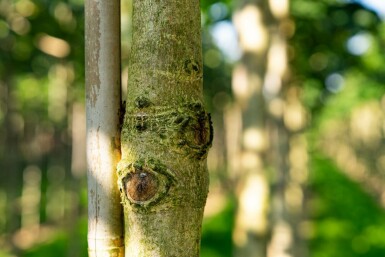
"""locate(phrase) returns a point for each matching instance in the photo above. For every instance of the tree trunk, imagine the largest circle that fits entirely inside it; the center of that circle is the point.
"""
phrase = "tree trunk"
(251, 222)
(286, 122)
(105, 230)
(166, 133)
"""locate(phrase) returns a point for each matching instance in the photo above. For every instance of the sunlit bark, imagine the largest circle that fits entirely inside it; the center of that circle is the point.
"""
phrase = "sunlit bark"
(105, 230)
(163, 176)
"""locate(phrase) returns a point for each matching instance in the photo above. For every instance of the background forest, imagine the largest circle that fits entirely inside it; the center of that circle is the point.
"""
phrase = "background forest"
(298, 158)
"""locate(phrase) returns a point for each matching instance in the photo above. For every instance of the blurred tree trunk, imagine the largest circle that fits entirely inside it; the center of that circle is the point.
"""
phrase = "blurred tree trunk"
(166, 133)
(11, 168)
(267, 219)
(289, 155)
(251, 223)
(103, 104)
(286, 122)
(281, 240)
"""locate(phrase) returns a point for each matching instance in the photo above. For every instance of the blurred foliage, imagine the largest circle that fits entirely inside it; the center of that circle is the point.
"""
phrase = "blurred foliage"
(322, 46)
(41, 78)
(347, 222)
(336, 58)
(216, 234)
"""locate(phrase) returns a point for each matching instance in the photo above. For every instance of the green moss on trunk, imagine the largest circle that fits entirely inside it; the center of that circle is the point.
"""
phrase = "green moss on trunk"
(166, 133)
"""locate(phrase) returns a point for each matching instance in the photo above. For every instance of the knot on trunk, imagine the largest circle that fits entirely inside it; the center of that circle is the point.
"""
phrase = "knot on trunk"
(141, 185)
(144, 183)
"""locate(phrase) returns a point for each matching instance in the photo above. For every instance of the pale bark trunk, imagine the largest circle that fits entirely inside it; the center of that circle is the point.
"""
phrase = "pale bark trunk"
(163, 176)
(105, 230)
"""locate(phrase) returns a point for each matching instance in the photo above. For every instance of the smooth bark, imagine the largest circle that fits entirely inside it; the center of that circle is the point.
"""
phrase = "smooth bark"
(163, 176)
(105, 230)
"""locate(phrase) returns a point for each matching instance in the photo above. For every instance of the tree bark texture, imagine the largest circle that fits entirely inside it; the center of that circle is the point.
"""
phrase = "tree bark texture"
(166, 133)
(103, 105)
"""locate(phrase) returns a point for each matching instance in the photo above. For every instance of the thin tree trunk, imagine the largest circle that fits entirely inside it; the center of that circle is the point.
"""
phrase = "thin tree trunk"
(10, 181)
(286, 122)
(251, 223)
(281, 241)
(105, 230)
(166, 133)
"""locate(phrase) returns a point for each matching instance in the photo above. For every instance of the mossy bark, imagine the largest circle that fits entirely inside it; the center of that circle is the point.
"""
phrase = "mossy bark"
(166, 133)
